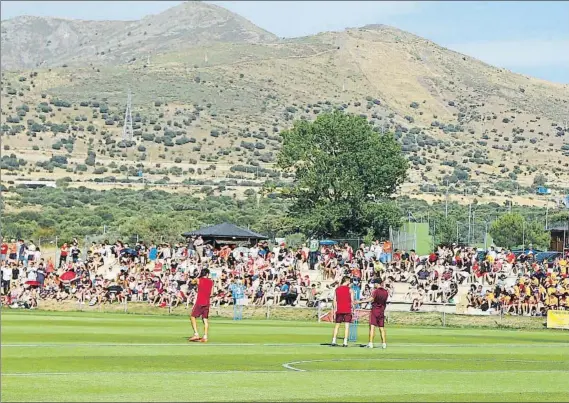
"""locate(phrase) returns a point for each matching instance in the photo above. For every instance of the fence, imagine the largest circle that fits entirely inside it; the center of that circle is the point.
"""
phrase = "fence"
(406, 238)
(270, 312)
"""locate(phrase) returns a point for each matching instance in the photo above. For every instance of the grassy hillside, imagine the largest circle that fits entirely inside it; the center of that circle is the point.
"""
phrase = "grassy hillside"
(214, 112)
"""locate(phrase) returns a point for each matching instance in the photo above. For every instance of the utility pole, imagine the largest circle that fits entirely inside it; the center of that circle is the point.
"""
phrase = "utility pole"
(127, 131)
(524, 234)
(434, 233)
(546, 214)
(457, 236)
(469, 221)
(446, 202)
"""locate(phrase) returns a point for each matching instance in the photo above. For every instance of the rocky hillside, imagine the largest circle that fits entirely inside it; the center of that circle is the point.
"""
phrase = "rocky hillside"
(32, 42)
(212, 112)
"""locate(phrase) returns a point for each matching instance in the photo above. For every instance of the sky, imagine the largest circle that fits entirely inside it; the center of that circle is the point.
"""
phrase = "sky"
(527, 37)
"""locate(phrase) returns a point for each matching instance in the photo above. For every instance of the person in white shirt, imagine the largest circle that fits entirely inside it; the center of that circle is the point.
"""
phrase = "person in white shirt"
(166, 252)
(376, 249)
(254, 251)
(32, 274)
(6, 277)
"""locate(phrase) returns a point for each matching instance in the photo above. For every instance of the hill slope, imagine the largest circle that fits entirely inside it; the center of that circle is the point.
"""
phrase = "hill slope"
(213, 112)
(30, 42)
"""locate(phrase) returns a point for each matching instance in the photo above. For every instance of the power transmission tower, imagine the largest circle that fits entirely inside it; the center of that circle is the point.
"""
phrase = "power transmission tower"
(127, 131)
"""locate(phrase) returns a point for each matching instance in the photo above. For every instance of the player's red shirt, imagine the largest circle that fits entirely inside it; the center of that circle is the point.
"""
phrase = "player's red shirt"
(204, 291)
(343, 299)
(4, 249)
(380, 296)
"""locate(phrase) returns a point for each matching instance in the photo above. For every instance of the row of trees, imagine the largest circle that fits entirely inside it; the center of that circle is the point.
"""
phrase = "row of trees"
(345, 175)
(156, 214)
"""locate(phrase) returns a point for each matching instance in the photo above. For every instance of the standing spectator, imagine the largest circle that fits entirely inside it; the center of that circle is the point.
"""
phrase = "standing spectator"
(22, 251)
(6, 278)
(12, 250)
(153, 253)
(63, 252)
(3, 251)
(31, 251)
(75, 252)
(41, 274)
(198, 245)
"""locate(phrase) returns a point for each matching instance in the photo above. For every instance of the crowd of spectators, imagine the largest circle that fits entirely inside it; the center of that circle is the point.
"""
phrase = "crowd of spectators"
(165, 275)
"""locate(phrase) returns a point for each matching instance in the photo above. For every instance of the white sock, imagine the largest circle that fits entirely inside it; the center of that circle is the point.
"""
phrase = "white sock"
(370, 344)
(333, 340)
(204, 337)
(345, 342)
(384, 345)
(196, 334)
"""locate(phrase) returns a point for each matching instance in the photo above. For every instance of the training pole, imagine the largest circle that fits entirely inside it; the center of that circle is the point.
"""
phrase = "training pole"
(353, 330)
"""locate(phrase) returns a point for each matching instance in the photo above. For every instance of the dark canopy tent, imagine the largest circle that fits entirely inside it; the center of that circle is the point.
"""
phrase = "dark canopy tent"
(226, 233)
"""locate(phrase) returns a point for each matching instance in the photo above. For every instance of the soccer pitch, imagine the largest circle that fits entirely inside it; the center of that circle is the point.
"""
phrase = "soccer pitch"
(119, 357)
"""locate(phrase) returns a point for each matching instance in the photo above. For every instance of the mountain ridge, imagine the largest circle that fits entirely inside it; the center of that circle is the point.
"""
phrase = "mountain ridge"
(222, 100)
(31, 42)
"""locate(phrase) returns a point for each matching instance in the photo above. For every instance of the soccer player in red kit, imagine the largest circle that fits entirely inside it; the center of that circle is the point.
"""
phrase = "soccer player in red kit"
(201, 306)
(378, 300)
(343, 302)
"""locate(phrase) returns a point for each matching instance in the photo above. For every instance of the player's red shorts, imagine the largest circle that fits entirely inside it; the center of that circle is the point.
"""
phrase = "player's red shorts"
(377, 318)
(200, 310)
(343, 317)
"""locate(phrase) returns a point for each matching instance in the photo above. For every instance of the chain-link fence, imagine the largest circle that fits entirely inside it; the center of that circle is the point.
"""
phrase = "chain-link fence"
(404, 238)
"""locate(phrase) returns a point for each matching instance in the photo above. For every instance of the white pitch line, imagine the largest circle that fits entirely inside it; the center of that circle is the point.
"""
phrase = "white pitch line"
(142, 372)
(394, 345)
(468, 371)
(292, 365)
(35, 374)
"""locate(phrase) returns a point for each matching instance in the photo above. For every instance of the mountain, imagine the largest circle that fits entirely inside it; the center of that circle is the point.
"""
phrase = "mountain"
(30, 42)
(211, 113)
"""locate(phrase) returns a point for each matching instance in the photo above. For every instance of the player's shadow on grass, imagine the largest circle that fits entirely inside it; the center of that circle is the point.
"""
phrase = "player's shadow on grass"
(339, 345)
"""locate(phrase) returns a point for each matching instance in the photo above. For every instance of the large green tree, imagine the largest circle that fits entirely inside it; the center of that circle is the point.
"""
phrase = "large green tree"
(345, 174)
(512, 230)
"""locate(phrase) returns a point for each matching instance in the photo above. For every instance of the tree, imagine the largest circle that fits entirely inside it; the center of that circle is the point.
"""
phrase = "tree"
(539, 180)
(344, 175)
(512, 230)
(445, 230)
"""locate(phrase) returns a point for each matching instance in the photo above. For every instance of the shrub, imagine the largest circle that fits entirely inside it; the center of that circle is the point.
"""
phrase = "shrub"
(100, 170)
(183, 140)
(148, 136)
(59, 159)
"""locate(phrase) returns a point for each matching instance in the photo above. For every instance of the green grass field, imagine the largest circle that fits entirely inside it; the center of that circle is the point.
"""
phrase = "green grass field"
(50, 356)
